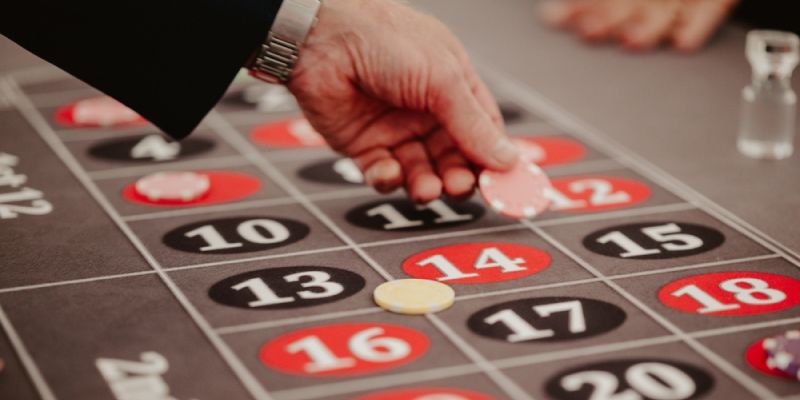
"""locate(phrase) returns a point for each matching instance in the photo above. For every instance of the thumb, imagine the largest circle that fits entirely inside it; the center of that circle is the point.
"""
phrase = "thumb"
(471, 128)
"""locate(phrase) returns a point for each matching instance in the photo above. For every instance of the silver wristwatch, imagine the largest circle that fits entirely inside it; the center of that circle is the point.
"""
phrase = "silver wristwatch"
(275, 59)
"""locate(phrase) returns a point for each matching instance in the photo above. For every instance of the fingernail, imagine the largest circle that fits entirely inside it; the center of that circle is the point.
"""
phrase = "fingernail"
(505, 152)
(380, 172)
(372, 175)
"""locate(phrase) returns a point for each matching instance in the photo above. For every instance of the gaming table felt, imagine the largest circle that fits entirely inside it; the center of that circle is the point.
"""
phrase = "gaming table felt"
(104, 294)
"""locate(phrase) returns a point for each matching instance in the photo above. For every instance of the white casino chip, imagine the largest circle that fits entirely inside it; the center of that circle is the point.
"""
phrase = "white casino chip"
(414, 296)
(173, 186)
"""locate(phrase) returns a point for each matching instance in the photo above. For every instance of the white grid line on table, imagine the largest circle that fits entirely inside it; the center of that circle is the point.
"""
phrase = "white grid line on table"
(194, 164)
(255, 117)
(741, 328)
(25, 358)
(544, 223)
(59, 98)
(538, 358)
(181, 212)
(238, 161)
(283, 156)
(260, 258)
(512, 362)
(75, 281)
(341, 194)
(36, 74)
(559, 119)
(228, 133)
(253, 326)
(224, 129)
(472, 232)
(363, 192)
(247, 204)
(5, 101)
(502, 292)
(190, 211)
(662, 271)
(68, 135)
(373, 383)
(781, 247)
(564, 119)
(6, 90)
(633, 212)
(568, 122)
(36, 120)
(723, 365)
(453, 234)
(694, 266)
(500, 379)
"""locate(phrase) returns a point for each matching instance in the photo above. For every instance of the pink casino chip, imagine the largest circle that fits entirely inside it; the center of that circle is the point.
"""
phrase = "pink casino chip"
(101, 111)
(518, 193)
(173, 186)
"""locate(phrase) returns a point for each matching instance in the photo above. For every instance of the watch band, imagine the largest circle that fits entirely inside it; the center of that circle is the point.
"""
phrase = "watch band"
(277, 56)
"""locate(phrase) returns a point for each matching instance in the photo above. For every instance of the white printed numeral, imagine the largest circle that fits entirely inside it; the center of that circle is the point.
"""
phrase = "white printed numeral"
(744, 290)
(602, 194)
(37, 204)
(157, 148)
(364, 345)
(136, 380)
(399, 221)
(490, 257)
(522, 330)
(9, 178)
(651, 380)
(37, 207)
(267, 297)
(668, 235)
(247, 230)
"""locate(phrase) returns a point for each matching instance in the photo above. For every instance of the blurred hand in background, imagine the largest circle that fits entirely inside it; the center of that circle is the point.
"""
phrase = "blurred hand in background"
(686, 25)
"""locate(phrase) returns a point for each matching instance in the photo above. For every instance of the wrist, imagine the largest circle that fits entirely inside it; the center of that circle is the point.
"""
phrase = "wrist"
(275, 59)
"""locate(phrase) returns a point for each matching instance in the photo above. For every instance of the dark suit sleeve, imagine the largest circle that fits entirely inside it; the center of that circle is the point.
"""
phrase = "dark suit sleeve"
(769, 15)
(169, 60)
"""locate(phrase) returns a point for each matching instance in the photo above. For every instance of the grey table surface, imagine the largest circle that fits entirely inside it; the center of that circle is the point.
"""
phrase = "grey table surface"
(678, 111)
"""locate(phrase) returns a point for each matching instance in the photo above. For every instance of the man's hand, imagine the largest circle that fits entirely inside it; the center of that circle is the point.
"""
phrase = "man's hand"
(641, 24)
(394, 90)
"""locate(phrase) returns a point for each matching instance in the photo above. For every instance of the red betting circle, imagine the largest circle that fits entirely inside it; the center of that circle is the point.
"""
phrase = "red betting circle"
(599, 193)
(65, 115)
(555, 150)
(710, 284)
(429, 393)
(756, 358)
(287, 133)
(225, 187)
(464, 257)
(336, 339)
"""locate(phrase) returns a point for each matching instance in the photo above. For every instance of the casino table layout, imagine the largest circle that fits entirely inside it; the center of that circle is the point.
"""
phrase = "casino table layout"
(665, 260)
